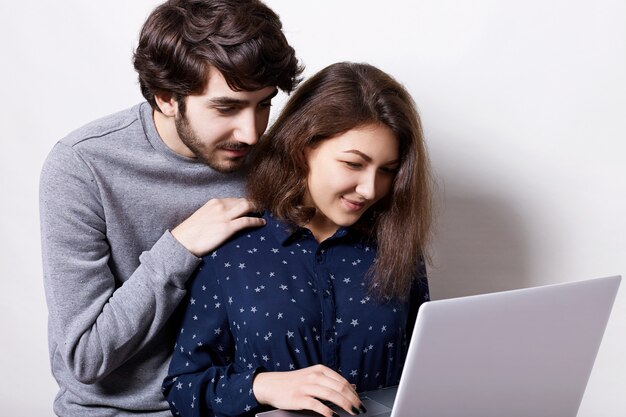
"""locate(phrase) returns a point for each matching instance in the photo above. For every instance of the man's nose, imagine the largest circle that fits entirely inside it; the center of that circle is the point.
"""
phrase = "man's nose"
(246, 130)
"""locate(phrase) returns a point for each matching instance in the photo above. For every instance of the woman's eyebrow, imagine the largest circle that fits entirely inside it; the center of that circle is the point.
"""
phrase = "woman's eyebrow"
(367, 158)
(359, 153)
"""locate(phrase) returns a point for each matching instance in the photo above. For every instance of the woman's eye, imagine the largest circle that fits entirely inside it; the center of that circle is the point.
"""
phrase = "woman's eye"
(388, 170)
(352, 164)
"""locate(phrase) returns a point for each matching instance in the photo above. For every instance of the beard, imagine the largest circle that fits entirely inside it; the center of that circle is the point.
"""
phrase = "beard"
(209, 154)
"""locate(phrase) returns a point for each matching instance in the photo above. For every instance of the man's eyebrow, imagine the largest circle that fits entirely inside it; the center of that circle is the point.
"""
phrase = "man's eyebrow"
(226, 101)
(367, 158)
(230, 101)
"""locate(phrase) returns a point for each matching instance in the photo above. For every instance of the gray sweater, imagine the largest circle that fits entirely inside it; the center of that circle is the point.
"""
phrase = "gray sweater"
(113, 273)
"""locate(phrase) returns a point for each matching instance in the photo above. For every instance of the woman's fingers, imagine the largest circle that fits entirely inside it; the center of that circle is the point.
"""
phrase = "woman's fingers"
(308, 389)
(330, 386)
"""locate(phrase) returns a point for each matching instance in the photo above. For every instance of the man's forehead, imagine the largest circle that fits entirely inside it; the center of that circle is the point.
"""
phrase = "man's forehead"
(217, 87)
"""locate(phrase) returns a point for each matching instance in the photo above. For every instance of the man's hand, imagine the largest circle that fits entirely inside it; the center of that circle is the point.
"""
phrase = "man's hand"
(305, 389)
(215, 222)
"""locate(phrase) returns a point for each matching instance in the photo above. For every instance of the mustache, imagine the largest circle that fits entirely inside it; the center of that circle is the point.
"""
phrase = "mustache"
(236, 146)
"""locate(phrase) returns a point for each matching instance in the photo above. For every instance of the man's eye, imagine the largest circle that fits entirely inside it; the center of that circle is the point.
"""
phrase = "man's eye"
(225, 110)
(265, 104)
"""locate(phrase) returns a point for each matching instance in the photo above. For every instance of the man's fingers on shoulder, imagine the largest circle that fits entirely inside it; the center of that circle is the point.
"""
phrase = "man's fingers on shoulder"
(246, 222)
(226, 202)
(242, 207)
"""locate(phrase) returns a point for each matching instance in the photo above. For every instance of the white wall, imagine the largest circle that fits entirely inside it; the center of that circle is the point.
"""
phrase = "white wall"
(523, 103)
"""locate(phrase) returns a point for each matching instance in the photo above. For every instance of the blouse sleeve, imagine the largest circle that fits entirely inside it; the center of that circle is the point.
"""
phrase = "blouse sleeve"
(202, 379)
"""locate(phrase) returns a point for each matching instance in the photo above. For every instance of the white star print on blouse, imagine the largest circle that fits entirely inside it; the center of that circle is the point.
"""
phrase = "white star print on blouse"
(275, 300)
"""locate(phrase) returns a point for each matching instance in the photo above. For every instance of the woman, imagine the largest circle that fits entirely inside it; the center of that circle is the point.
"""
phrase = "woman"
(320, 302)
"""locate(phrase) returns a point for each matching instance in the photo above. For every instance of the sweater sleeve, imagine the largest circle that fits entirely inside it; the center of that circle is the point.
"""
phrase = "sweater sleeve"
(99, 324)
(203, 379)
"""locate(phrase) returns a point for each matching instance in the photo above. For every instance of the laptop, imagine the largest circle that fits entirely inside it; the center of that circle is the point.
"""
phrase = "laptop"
(519, 353)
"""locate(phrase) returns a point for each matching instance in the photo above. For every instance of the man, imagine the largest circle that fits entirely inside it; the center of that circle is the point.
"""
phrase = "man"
(130, 202)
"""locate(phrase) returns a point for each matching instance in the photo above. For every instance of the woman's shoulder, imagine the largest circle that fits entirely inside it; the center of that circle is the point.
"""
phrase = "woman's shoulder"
(252, 240)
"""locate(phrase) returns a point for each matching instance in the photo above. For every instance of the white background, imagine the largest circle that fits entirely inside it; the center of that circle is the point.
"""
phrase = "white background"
(524, 107)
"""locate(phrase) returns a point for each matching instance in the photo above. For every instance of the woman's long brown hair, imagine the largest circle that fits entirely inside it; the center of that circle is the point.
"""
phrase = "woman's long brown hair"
(339, 98)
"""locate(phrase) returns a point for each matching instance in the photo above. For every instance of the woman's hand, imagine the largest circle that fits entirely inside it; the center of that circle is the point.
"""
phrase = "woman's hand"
(305, 389)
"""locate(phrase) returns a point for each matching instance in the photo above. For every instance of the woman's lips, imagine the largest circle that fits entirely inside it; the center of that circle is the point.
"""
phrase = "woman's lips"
(353, 205)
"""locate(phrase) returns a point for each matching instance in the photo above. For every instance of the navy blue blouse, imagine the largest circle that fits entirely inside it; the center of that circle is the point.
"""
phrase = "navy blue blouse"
(277, 300)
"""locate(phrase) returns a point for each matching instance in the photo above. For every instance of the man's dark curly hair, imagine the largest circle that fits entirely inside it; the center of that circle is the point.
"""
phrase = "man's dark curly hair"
(243, 39)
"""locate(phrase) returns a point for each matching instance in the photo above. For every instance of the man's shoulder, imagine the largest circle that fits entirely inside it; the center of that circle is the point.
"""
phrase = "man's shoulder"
(120, 133)
(108, 127)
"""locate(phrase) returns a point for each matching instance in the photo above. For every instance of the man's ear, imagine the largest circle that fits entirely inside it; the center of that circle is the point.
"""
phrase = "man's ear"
(167, 104)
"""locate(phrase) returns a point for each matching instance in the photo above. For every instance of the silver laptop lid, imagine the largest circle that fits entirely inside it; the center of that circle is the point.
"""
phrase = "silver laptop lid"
(516, 353)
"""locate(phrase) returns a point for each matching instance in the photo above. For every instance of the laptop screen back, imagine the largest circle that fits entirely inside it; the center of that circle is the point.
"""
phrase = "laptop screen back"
(519, 353)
